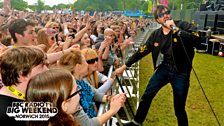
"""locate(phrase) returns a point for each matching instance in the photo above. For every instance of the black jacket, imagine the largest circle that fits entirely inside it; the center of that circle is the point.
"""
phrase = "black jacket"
(183, 43)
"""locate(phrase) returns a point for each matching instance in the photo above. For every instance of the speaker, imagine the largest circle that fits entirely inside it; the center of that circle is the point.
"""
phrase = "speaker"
(220, 23)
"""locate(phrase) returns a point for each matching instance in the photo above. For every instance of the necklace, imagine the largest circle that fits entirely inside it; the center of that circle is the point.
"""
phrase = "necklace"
(16, 92)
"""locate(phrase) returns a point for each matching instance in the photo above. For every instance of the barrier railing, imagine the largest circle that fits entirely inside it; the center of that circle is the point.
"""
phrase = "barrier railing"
(128, 83)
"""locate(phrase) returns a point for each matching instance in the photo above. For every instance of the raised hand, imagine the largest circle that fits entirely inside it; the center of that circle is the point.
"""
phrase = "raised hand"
(117, 102)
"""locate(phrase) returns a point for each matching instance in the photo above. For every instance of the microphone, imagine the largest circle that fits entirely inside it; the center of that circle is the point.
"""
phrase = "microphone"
(173, 27)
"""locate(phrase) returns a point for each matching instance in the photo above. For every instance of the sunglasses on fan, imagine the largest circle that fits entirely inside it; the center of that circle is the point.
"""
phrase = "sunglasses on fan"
(92, 61)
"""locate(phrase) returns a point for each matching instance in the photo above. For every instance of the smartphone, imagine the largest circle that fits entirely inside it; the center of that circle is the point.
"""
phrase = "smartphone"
(56, 39)
(91, 13)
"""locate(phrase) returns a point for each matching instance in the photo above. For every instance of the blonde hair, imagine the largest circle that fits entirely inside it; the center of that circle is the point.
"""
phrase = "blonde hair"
(70, 60)
(42, 38)
(50, 24)
(91, 54)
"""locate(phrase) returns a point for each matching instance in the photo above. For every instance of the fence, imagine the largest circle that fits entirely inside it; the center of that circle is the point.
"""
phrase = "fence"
(128, 83)
(186, 15)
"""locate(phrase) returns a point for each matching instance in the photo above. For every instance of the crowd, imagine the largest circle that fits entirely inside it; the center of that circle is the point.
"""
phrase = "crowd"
(63, 59)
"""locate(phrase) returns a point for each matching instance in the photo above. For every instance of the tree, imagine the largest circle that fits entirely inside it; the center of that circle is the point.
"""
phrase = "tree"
(1, 4)
(47, 7)
(40, 6)
(131, 5)
(32, 7)
(62, 6)
(187, 4)
(105, 5)
(80, 5)
(19, 5)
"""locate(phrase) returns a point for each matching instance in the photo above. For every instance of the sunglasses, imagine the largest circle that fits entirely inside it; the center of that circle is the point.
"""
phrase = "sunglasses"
(52, 38)
(75, 93)
(55, 27)
(162, 14)
(92, 61)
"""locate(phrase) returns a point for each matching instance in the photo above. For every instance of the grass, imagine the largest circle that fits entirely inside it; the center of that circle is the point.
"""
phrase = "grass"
(210, 71)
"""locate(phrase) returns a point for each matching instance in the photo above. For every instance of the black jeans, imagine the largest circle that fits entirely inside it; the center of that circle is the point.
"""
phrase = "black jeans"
(180, 85)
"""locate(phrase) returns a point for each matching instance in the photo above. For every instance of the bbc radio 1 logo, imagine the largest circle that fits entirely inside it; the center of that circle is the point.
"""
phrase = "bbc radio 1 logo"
(31, 111)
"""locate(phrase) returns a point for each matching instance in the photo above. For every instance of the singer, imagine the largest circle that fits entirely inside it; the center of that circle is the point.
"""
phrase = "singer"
(172, 48)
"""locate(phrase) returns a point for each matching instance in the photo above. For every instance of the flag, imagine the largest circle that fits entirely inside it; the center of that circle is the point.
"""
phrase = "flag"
(150, 6)
(164, 2)
(154, 4)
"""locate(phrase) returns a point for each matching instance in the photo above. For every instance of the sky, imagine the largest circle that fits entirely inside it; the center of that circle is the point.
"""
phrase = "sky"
(51, 2)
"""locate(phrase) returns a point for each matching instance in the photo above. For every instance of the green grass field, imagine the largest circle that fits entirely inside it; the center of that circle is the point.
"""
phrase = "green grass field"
(210, 71)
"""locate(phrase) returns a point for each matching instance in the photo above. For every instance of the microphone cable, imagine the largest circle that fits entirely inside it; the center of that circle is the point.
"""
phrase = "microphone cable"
(178, 34)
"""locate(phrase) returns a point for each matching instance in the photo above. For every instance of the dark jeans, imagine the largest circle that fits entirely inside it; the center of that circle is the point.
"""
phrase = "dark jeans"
(180, 85)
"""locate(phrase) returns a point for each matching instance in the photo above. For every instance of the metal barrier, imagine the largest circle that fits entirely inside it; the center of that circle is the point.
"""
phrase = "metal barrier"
(129, 82)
